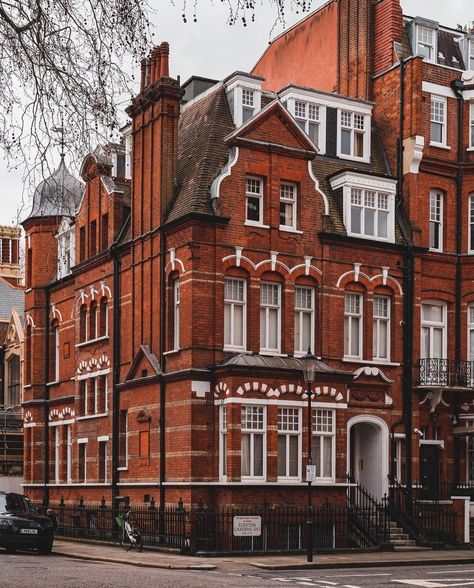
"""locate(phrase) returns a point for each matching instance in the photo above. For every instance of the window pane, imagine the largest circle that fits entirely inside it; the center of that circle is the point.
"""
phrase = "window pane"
(369, 222)
(238, 325)
(425, 335)
(382, 349)
(282, 455)
(471, 345)
(227, 324)
(346, 336)
(345, 142)
(327, 457)
(356, 220)
(436, 132)
(307, 343)
(253, 209)
(383, 225)
(437, 343)
(247, 114)
(245, 458)
(263, 327)
(258, 455)
(293, 440)
(354, 336)
(359, 144)
(316, 454)
(273, 328)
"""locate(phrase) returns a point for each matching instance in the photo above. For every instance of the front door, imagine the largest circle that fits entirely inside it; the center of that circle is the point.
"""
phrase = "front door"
(429, 470)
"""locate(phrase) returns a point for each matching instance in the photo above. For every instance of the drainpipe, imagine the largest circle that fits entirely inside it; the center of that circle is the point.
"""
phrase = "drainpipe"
(163, 369)
(458, 87)
(46, 398)
(116, 374)
(408, 286)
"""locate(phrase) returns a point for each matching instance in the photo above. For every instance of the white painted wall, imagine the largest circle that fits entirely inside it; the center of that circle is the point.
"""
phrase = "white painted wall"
(11, 484)
(368, 458)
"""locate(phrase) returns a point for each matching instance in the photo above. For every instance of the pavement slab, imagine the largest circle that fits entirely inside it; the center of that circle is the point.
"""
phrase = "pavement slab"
(165, 560)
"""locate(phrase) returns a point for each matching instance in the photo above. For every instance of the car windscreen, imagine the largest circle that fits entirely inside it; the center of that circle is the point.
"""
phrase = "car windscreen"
(14, 503)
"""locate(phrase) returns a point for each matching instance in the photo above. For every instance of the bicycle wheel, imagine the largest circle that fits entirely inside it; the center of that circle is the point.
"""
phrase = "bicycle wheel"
(139, 543)
(125, 541)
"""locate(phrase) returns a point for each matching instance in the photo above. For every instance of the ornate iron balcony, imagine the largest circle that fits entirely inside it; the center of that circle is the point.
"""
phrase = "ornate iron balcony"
(446, 373)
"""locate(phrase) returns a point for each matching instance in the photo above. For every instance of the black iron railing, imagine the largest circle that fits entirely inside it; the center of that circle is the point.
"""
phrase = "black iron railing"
(430, 522)
(434, 371)
(358, 524)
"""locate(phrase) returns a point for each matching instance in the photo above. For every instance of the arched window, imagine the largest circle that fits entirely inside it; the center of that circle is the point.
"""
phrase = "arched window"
(93, 320)
(54, 352)
(14, 380)
(104, 320)
(83, 323)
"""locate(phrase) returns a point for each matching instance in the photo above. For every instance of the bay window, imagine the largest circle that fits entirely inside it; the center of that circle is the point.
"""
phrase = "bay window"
(438, 120)
(436, 221)
(369, 213)
(235, 314)
(323, 443)
(253, 442)
(381, 328)
(353, 325)
(289, 435)
(254, 201)
(270, 317)
(288, 194)
(304, 319)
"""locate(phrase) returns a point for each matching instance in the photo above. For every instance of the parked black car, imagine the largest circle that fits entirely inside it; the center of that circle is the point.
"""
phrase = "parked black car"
(21, 527)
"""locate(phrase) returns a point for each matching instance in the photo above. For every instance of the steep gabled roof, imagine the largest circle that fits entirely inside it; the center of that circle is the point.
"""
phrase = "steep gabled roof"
(10, 298)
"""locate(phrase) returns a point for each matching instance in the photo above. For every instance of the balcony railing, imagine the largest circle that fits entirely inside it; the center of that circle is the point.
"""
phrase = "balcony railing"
(446, 373)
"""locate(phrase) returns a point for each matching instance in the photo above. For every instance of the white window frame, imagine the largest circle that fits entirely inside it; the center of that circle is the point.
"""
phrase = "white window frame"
(264, 347)
(471, 125)
(252, 432)
(315, 432)
(232, 303)
(95, 385)
(83, 442)
(291, 201)
(439, 118)
(125, 467)
(470, 223)
(223, 438)
(470, 329)
(235, 88)
(57, 453)
(56, 353)
(105, 441)
(377, 198)
(470, 54)
(431, 325)
(436, 219)
(259, 196)
(349, 317)
(377, 320)
(341, 112)
(287, 433)
(432, 47)
(299, 316)
(68, 453)
(304, 112)
(176, 313)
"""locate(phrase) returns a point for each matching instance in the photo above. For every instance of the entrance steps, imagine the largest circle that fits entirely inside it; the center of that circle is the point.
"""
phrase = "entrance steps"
(401, 541)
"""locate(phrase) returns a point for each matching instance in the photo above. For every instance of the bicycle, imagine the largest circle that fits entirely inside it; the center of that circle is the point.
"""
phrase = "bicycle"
(130, 536)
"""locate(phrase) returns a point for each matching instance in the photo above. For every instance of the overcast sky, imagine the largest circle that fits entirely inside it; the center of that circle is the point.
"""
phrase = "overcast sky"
(213, 49)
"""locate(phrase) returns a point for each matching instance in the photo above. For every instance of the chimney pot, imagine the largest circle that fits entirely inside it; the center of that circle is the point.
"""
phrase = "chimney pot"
(143, 73)
(165, 67)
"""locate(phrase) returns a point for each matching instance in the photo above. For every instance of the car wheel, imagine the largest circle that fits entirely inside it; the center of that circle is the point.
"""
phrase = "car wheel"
(10, 548)
(45, 549)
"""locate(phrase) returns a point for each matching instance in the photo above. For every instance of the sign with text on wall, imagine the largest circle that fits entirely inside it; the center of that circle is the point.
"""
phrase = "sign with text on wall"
(247, 526)
(311, 473)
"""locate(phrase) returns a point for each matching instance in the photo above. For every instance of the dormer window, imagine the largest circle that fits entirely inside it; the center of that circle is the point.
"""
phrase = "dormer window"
(368, 204)
(470, 59)
(425, 42)
(307, 116)
(353, 135)
(248, 104)
(244, 95)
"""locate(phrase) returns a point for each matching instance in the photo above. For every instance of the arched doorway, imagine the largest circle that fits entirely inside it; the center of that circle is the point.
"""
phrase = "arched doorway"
(368, 453)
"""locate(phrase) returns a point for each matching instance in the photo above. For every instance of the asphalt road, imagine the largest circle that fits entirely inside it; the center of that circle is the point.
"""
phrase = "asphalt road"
(31, 570)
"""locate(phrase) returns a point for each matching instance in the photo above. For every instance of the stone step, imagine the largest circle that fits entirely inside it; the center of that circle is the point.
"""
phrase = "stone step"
(399, 536)
(410, 548)
(406, 542)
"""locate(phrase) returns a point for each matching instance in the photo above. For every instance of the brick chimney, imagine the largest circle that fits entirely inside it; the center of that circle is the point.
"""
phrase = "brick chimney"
(388, 30)
(10, 254)
(154, 113)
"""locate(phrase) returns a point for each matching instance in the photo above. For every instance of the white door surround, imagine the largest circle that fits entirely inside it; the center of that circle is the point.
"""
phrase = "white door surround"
(371, 453)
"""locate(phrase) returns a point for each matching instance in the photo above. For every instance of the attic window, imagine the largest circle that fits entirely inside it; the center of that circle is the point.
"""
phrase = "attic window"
(248, 104)
(244, 96)
(425, 42)
(307, 116)
(470, 60)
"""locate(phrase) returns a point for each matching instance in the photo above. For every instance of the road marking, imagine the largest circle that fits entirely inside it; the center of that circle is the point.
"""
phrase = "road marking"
(432, 584)
(358, 575)
(350, 586)
(453, 572)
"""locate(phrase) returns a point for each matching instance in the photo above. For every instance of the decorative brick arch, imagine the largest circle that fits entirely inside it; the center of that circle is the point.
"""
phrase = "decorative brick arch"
(28, 418)
(221, 389)
(55, 314)
(354, 275)
(174, 263)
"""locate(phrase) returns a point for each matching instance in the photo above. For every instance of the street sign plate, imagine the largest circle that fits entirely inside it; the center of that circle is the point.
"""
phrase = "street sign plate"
(247, 526)
(311, 473)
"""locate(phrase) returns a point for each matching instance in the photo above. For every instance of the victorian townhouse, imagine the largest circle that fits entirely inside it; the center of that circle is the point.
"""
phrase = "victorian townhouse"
(172, 291)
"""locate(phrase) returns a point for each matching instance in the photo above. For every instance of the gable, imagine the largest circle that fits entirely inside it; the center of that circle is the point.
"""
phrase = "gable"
(274, 126)
(144, 365)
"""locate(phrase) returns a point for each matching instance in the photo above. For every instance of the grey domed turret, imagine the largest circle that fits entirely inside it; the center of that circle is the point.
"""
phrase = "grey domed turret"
(58, 195)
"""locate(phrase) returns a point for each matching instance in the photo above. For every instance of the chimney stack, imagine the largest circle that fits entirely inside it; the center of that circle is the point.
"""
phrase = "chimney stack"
(155, 66)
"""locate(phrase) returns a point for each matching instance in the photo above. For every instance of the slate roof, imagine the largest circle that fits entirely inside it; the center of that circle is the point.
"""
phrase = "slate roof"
(202, 153)
(255, 360)
(58, 195)
(10, 297)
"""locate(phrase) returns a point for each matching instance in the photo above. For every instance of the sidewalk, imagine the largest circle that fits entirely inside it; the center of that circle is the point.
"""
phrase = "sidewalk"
(154, 559)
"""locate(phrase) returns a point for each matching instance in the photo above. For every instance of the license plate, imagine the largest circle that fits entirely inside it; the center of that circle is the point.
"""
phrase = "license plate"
(29, 531)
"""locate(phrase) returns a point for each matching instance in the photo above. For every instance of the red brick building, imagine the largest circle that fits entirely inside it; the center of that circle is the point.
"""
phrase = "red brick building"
(171, 294)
